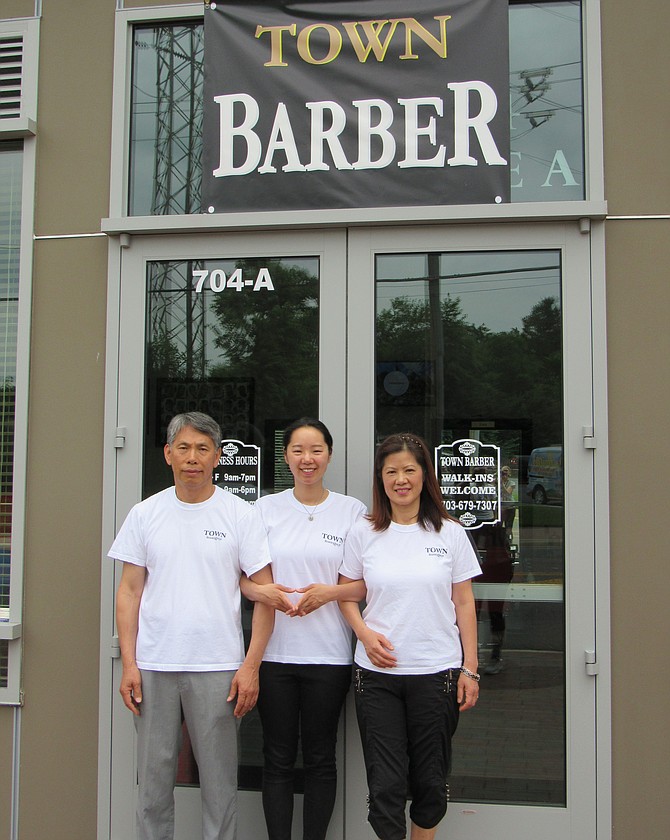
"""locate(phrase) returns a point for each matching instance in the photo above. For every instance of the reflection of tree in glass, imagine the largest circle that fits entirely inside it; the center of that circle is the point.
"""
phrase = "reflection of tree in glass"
(515, 373)
(164, 359)
(272, 337)
(542, 332)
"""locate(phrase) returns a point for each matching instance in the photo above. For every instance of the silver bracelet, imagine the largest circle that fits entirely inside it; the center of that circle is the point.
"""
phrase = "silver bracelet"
(469, 673)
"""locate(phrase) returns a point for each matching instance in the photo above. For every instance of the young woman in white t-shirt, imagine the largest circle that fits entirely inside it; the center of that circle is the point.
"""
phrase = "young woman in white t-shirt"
(306, 669)
(416, 657)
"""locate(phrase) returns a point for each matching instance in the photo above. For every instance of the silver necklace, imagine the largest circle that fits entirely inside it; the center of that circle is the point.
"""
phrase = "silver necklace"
(310, 513)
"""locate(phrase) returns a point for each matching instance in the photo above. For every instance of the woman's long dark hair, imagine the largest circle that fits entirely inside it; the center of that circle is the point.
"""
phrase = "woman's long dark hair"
(432, 512)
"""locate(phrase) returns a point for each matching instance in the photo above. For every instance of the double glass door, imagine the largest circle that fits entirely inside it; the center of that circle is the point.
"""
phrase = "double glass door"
(479, 340)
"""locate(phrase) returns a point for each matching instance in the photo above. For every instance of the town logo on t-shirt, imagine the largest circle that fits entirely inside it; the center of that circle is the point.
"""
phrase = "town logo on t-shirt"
(435, 549)
(332, 539)
(214, 535)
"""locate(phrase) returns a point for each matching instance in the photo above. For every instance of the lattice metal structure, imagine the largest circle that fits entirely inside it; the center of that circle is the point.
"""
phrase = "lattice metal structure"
(176, 321)
(176, 313)
(179, 72)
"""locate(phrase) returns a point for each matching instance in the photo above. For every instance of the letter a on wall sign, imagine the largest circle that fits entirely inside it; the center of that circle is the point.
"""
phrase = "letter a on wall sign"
(369, 103)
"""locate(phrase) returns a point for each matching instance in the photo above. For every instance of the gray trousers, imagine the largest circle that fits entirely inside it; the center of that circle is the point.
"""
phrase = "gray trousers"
(213, 731)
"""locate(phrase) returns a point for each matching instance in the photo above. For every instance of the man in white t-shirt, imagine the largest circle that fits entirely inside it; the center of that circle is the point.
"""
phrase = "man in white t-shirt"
(179, 624)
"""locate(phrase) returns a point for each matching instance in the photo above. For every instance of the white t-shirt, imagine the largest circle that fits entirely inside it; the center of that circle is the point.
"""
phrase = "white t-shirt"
(305, 552)
(409, 572)
(194, 555)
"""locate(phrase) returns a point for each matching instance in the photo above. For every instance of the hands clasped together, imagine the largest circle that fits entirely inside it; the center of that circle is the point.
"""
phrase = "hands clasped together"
(313, 596)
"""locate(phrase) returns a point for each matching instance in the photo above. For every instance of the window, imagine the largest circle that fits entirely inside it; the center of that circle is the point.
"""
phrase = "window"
(11, 165)
(546, 101)
(469, 354)
(18, 114)
(207, 349)
(546, 105)
(166, 129)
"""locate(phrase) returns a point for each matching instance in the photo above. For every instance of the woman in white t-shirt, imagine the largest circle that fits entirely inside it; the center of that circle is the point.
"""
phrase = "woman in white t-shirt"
(306, 669)
(416, 657)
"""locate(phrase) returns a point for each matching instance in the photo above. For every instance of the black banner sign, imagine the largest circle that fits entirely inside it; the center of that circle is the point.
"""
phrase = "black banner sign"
(372, 103)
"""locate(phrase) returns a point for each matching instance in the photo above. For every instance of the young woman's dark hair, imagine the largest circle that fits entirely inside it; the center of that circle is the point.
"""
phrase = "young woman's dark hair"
(432, 512)
(315, 424)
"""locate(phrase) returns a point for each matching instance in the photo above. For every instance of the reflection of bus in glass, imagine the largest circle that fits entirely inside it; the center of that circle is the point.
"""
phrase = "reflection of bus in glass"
(545, 474)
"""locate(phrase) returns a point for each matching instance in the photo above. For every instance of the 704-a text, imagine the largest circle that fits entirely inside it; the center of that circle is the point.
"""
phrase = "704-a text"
(217, 280)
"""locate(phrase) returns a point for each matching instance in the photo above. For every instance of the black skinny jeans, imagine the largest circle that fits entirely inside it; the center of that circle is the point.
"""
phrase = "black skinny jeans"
(300, 703)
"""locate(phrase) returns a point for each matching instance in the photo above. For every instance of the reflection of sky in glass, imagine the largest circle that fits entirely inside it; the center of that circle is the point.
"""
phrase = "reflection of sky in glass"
(143, 142)
(495, 289)
(546, 100)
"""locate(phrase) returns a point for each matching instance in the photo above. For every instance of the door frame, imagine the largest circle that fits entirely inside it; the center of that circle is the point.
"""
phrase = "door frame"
(586, 597)
(122, 482)
(346, 402)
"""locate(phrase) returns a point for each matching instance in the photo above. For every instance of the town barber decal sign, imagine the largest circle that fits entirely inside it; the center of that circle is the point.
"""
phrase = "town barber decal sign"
(373, 103)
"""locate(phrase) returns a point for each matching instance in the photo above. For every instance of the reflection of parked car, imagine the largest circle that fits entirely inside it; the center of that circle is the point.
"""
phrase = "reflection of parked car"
(545, 474)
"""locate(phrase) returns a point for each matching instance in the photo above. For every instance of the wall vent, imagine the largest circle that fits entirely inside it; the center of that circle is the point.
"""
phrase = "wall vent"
(11, 76)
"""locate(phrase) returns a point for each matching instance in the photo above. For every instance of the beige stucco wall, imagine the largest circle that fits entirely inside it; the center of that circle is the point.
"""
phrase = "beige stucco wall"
(638, 254)
(636, 65)
(59, 724)
(62, 577)
(16, 9)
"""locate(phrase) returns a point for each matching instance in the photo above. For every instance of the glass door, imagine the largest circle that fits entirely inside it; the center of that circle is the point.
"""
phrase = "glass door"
(245, 329)
(482, 345)
(478, 338)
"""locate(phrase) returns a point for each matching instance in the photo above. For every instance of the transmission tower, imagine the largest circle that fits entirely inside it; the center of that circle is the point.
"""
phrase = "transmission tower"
(176, 311)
